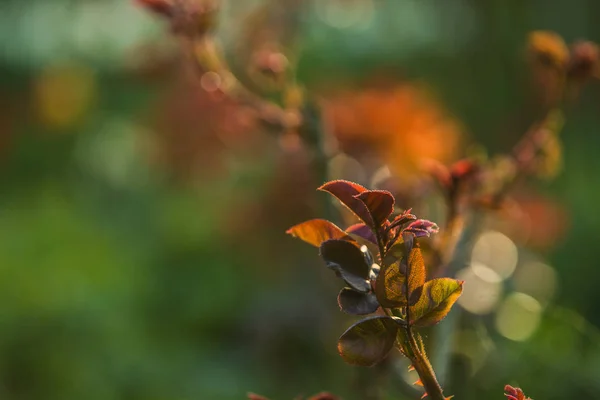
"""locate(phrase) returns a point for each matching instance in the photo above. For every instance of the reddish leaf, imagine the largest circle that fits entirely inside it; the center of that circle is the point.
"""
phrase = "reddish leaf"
(438, 297)
(348, 262)
(403, 218)
(513, 393)
(356, 303)
(316, 231)
(362, 231)
(421, 228)
(368, 341)
(345, 191)
(364, 236)
(379, 203)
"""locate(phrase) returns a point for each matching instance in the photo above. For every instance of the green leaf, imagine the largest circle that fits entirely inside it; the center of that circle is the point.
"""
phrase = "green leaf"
(379, 203)
(436, 301)
(348, 262)
(316, 231)
(368, 341)
(391, 285)
(356, 303)
(416, 275)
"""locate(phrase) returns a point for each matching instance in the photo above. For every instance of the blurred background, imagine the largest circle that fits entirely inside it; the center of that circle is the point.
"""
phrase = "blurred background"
(143, 252)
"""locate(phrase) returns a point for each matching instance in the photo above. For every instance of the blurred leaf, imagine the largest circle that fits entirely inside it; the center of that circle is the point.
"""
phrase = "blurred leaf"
(348, 262)
(368, 341)
(356, 303)
(436, 301)
(379, 203)
(316, 231)
(345, 191)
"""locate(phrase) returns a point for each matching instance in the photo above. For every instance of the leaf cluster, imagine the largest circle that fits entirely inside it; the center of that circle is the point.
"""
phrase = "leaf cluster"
(380, 261)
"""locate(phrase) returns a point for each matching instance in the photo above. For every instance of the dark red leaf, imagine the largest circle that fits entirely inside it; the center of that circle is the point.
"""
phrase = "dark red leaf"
(345, 191)
(403, 218)
(348, 261)
(379, 203)
(369, 341)
(356, 303)
(363, 231)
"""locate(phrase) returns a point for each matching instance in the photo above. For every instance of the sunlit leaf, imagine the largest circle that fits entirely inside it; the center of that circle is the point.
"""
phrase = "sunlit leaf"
(379, 203)
(345, 191)
(316, 231)
(390, 286)
(416, 275)
(348, 261)
(391, 283)
(368, 341)
(436, 300)
(357, 303)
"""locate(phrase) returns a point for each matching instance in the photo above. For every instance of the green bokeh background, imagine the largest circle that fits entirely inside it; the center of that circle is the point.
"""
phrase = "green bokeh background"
(119, 282)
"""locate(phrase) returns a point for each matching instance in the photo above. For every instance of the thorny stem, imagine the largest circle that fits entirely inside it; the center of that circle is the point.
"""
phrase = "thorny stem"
(419, 360)
(424, 369)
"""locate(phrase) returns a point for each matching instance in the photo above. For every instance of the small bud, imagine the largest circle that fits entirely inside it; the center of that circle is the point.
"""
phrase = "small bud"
(585, 60)
(269, 67)
(421, 228)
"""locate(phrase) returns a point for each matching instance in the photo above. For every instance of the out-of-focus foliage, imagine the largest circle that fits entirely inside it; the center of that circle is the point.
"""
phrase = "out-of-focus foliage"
(142, 253)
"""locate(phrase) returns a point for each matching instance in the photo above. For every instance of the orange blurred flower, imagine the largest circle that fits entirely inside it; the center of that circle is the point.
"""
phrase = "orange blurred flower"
(400, 123)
